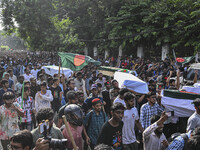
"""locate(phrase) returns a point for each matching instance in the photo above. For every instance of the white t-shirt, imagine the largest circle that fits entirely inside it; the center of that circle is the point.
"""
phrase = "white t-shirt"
(128, 131)
(34, 72)
(119, 100)
(27, 77)
(44, 101)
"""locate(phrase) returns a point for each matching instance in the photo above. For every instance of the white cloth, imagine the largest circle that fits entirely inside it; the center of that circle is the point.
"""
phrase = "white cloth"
(43, 102)
(128, 131)
(27, 77)
(119, 100)
(193, 121)
(34, 72)
(151, 140)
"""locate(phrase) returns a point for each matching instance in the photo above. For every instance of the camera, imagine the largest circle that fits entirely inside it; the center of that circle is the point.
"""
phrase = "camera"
(53, 143)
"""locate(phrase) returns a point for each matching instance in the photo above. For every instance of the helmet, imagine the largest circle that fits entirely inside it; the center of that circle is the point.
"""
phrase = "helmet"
(74, 114)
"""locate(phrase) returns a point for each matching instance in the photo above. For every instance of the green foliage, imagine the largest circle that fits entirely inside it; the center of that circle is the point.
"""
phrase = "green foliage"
(4, 48)
(72, 24)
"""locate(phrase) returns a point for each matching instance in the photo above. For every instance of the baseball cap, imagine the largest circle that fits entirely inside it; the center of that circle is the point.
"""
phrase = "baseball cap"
(94, 86)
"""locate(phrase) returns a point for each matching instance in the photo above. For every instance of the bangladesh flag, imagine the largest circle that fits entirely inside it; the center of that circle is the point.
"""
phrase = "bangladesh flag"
(76, 62)
(179, 101)
(184, 60)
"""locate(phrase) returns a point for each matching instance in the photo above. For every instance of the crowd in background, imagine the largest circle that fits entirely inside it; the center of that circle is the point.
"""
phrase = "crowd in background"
(97, 109)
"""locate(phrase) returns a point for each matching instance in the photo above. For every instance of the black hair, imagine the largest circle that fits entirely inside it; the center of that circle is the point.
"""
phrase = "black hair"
(79, 92)
(43, 83)
(117, 106)
(26, 88)
(103, 147)
(78, 73)
(122, 91)
(128, 96)
(112, 82)
(69, 81)
(10, 70)
(49, 79)
(71, 95)
(26, 81)
(44, 114)
(154, 118)
(24, 137)
(55, 79)
(21, 76)
(194, 142)
(8, 95)
(150, 94)
(4, 81)
(99, 85)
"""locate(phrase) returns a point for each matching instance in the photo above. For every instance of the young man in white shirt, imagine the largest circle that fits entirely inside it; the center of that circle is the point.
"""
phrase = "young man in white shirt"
(153, 136)
(130, 119)
(120, 97)
(43, 98)
(27, 105)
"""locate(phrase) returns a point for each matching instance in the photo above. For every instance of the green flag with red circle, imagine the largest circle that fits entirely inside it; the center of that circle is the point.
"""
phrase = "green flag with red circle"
(184, 60)
(76, 62)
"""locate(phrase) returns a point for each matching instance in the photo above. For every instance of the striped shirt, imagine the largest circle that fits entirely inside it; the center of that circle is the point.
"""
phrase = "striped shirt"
(147, 112)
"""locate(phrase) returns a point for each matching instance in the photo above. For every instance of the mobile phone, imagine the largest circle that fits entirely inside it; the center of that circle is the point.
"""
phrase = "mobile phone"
(43, 126)
(170, 113)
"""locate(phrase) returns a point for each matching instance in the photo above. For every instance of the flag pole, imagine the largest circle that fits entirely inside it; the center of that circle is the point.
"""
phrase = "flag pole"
(22, 99)
(69, 132)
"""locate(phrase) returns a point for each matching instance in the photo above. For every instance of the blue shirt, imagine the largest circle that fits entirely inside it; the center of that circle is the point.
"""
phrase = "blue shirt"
(178, 143)
(147, 111)
(95, 124)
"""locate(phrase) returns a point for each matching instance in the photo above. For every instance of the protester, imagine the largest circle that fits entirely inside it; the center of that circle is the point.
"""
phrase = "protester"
(28, 107)
(5, 88)
(74, 116)
(111, 132)
(94, 121)
(149, 109)
(53, 131)
(57, 95)
(72, 98)
(22, 140)
(18, 86)
(130, 119)
(120, 97)
(43, 98)
(153, 137)
(194, 120)
(9, 113)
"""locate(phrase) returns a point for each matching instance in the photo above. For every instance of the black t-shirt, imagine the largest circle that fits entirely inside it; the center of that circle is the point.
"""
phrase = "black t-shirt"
(111, 136)
(106, 98)
(56, 98)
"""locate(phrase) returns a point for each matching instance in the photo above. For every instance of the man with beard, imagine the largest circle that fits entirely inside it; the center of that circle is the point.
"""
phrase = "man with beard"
(100, 80)
(130, 119)
(9, 113)
(111, 132)
(53, 131)
(94, 121)
(114, 92)
(153, 136)
(149, 109)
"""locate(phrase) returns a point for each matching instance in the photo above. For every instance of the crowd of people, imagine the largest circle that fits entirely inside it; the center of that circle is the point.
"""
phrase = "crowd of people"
(100, 114)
